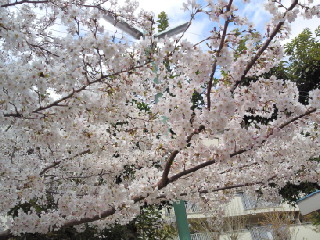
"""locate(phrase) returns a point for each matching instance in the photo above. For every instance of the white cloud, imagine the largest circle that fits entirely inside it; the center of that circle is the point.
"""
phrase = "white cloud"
(171, 7)
(198, 30)
(256, 14)
(301, 23)
(259, 16)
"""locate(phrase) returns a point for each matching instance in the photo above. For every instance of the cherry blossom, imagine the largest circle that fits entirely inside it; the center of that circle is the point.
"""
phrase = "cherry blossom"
(93, 127)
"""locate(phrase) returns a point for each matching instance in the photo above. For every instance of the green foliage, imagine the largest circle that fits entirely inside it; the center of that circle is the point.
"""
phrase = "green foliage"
(142, 106)
(241, 47)
(316, 218)
(147, 225)
(33, 205)
(255, 119)
(303, 67)
(315, 159)
(197, 100)
(304, 62)
(127, 174)
(163, 21)
(292, 192)
(280, 71)
(26, 207)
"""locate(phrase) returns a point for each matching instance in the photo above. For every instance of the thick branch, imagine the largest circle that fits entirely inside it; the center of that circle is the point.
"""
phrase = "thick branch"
(311, 110)
(165, 180)
(214, 66)
(190, 170)
(263, 48)
(16, 115)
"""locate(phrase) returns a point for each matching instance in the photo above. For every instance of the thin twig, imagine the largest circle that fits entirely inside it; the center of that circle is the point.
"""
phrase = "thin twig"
(56, 163)
(21, 2)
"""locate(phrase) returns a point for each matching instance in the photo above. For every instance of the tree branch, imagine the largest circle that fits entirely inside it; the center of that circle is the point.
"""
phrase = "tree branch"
(210, 162)
(104, 214)
(263, 48)
(165, 180)
(214, 66)
(74, 91)
(21, 2)
(56, 103)
(43, 171)
(237, 186)
(42, 49)
(190, 170)
(311, 110)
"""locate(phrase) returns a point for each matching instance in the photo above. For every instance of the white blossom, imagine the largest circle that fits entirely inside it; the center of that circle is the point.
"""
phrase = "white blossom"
(93, 127)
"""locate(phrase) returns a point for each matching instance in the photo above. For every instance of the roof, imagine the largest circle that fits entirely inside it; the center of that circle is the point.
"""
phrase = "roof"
(309, 195)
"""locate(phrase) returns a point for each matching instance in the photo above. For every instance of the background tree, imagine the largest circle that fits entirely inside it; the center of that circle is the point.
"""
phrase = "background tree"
(304, 62)
(163, 21)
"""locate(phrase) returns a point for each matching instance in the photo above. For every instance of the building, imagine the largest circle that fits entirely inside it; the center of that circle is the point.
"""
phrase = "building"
(250, 218)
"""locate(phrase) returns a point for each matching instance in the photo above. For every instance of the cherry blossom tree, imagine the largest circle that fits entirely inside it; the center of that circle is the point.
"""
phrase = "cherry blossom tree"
(92, 127)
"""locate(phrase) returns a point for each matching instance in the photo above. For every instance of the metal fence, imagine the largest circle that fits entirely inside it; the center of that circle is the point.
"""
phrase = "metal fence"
(190, 208)
(201, 236)
(253, 202)
(260, 233)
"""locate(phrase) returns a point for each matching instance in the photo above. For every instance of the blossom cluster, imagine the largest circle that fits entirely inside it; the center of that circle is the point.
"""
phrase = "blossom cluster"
(92, 128)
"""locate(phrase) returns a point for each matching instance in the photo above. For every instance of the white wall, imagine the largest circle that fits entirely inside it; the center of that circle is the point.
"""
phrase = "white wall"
(310, 204)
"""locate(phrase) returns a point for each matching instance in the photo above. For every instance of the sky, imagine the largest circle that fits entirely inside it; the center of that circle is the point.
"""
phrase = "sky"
(200, 28)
